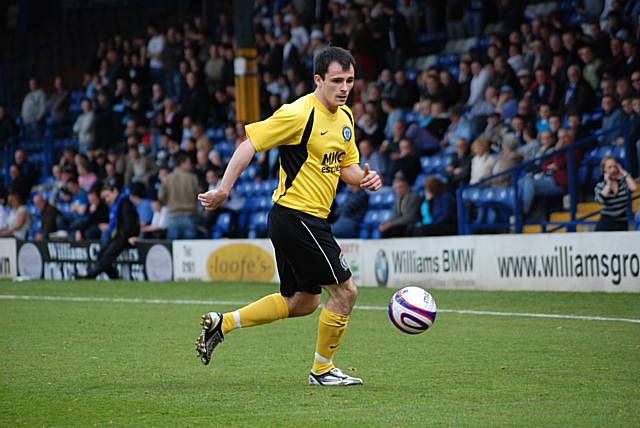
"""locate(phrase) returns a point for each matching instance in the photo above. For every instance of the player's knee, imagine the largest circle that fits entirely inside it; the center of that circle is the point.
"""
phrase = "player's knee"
(302, 304)
(349, 291)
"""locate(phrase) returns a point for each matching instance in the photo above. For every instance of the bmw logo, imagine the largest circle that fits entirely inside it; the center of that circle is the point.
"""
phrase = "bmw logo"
(382, 268)
(346, 133)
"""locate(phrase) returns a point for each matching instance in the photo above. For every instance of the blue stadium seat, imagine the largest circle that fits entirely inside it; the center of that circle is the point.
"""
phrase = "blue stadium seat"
(257, 224)
(222, 226)
(340, 197)
(262, 203)
(383, 199)
(266, 187)
(249, 174)
(417, 185)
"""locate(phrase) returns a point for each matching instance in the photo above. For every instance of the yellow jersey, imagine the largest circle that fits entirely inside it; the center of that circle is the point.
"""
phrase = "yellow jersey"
(313, 145)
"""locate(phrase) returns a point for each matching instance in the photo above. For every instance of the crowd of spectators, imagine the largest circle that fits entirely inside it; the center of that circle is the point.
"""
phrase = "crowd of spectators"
(157, 111)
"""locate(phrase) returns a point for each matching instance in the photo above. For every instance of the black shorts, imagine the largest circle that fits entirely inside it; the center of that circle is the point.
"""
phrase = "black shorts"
(306, 253)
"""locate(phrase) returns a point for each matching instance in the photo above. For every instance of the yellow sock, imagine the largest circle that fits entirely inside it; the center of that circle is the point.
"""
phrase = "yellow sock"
(268, 309)
(331, 328)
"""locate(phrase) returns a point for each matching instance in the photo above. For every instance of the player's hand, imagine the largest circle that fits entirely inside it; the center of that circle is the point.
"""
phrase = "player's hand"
(371, 179)
(212, 199)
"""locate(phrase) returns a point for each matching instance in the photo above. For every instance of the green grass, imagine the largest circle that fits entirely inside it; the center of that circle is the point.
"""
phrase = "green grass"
(133, 364)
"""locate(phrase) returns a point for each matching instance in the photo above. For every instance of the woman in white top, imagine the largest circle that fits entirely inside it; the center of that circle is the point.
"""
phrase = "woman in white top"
(482, 162)
(19, 220)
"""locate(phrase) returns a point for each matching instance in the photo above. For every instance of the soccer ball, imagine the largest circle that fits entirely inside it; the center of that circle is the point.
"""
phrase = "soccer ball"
(412, 310)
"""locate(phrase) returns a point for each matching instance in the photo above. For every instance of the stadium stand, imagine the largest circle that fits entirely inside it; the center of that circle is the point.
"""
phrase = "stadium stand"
(535, 56)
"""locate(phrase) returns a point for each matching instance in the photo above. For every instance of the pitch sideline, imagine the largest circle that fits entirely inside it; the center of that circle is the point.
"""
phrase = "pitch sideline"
(362, 308)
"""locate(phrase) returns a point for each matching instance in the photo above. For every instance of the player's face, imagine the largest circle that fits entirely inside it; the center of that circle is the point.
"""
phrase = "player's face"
(336, 85)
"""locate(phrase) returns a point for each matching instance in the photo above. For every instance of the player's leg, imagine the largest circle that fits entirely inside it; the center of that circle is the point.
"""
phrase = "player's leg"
(332, 326)
(106, 258)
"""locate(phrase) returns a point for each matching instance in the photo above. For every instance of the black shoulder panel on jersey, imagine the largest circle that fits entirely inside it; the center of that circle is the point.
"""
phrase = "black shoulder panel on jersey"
(293, 157)
(348, 114)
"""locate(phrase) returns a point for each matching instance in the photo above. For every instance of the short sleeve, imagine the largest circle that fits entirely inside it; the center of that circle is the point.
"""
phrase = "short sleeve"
(352, 156)
(284, 127)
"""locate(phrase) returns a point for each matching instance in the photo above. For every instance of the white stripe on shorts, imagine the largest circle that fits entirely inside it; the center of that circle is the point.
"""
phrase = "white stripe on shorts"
(323, 253)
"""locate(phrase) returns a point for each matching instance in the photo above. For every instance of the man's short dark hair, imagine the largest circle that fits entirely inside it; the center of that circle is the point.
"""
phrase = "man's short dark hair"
(332, 54)
(182, 158)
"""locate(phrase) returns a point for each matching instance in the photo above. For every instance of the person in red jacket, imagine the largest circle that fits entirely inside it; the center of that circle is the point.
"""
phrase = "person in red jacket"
(552, 179)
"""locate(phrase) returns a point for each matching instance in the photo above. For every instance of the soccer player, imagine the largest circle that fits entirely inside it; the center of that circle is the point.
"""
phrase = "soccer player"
(315, 137)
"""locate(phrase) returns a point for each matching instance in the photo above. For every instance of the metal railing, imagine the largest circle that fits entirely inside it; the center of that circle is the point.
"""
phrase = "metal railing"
(466, 227)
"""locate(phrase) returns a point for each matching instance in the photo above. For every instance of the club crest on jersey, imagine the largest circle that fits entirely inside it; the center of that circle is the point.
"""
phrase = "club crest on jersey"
(346, 133)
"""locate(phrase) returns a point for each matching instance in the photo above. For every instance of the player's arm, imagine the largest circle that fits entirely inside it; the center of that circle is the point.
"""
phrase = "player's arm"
(212, 199)
(366, 179)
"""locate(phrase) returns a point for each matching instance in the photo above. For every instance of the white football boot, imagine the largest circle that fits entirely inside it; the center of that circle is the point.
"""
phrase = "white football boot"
(333, 377)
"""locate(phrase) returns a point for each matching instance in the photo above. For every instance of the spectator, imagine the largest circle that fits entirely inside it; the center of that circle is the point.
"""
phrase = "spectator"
(371, 129)
(483, 108)
(59, 101)
(4, 211)
(19, 182)
(592, 70)
(19, 220)
(27, 168)
(543, 90)
(404, 92)
(137, 108)
(107, 124)
(48, 217)
(123, 230)
(137, 196)
(458, 128)
(34, 108)
(194, 99)
(73, 195)
(406, 211)
(437, 211)
(458, 172)
(96, 224)
(213, 68)
(479, 82)
(394, 114)
(139, 166)
(369, 155)
(482, 162)
(179, 191)
(199, 138)
(8, 128)
(578, 94)
(507, 105)
(155, 48)
(507, 159)
(614, 193)
(351, 213)
(157, 229)
(612, 118)
(530, 145)
(86, 177)
(494, 131)
(407, 161)
(551, 180)
(83, 128)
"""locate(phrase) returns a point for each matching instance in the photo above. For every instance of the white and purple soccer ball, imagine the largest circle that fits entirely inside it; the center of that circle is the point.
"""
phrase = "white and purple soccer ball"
(412, 310)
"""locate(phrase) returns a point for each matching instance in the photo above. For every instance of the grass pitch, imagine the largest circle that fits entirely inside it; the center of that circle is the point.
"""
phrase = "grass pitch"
(102, 362)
